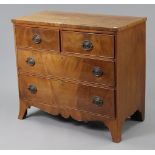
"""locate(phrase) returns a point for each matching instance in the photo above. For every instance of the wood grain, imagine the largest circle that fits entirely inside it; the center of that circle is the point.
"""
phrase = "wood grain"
(72, 95)
(49, 38)
(103, 45)
(68, 67)
(130, 78)
(80, 20)
(130, 71)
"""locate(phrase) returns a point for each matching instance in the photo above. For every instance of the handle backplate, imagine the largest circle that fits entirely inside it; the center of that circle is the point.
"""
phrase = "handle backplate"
(97, 101)
(97, 71)
(87, 45)
(32, 88)
(36, 39)
(30, 61)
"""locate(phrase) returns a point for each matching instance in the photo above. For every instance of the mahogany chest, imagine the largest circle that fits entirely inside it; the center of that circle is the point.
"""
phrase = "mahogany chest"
(88, 67)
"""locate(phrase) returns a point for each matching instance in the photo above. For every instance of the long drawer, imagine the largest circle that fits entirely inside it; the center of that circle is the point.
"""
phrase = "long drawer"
(70, 67)
(67, 94)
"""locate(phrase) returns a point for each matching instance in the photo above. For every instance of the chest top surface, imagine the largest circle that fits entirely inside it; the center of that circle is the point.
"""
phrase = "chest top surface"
(80, 20)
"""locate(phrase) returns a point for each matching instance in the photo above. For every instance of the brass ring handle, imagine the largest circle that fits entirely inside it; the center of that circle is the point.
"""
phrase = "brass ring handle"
(97, 101)
(87, 45)
(97, 71)
(36, 39)
(30, 61)
(32, 88)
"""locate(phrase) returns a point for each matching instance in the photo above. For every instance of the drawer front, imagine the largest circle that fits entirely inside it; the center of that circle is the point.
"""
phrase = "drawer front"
(75, 68)
(67, 94)
(37, 38)
(88, 43)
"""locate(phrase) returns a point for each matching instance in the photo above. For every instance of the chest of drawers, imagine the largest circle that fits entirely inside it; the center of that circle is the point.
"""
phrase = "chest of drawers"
(88, 67)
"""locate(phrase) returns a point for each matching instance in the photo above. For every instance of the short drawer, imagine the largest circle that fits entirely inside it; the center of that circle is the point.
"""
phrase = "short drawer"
(70, 67)
(67, 94)
(87, 43)
(37, 38)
